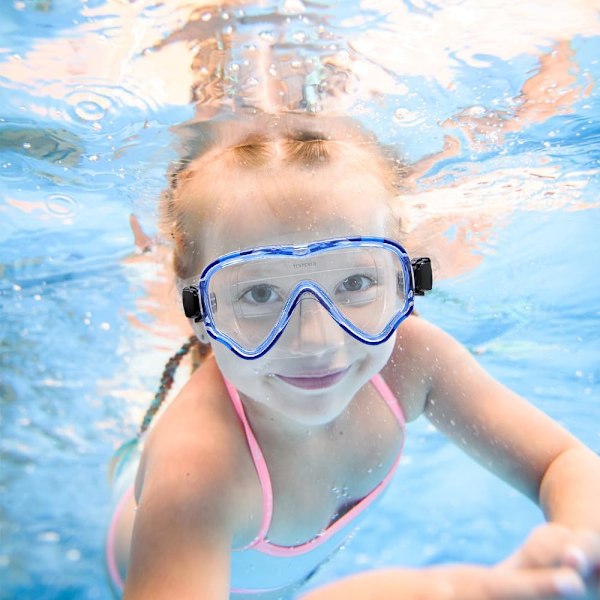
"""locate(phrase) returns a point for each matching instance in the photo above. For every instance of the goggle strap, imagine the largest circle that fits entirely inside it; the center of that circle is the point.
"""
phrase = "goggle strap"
(422, 275)
(191, 303)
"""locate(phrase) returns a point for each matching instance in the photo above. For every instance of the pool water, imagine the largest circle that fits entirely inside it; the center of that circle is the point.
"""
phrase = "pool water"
(84, 142)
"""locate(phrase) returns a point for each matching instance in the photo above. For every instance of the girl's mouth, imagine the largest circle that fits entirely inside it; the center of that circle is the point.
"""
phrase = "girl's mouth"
(316, 380)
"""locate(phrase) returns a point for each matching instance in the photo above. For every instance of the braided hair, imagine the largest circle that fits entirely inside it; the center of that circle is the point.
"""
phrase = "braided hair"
(198, 351)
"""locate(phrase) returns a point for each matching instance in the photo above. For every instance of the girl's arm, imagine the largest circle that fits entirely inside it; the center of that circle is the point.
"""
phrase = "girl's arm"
(187, 510)
(181, 541)
(500, 429)
(454, 582)
(510, 437)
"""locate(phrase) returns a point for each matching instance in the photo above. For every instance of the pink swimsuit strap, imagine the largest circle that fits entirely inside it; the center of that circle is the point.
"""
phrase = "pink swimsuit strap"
(260, 464)
(260, 542)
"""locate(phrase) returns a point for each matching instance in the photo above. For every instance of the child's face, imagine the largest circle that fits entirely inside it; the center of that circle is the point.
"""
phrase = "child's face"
(315, 367)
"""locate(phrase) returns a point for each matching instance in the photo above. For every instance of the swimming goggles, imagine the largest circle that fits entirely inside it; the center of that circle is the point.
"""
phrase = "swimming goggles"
(367, 284)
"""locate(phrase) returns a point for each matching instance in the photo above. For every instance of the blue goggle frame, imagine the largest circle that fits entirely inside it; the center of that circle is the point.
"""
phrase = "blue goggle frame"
(197, 303)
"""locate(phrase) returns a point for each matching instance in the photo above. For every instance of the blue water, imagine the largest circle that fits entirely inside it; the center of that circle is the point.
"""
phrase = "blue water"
(81, 353)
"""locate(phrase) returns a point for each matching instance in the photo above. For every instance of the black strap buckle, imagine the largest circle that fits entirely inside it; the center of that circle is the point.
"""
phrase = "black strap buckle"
(191, 303)
(422, 275)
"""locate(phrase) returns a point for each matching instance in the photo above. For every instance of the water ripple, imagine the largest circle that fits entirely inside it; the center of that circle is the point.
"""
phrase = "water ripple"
(405, 117)
(89, 105)
(61, 206)
(93, 102)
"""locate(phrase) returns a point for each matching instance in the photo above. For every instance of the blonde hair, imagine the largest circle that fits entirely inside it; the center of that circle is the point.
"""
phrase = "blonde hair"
(216, 151)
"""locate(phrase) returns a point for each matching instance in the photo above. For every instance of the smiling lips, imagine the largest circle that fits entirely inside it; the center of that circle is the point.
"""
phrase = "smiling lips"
(315, 381)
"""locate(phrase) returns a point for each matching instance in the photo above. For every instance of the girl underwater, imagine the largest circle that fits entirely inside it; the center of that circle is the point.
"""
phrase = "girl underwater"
(287, 251)
(299, 281)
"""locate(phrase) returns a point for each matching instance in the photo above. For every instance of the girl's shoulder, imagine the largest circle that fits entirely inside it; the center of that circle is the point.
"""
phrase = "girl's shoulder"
(199, 428)
(423, 343)
(200, 414)
(420, 349)
(197, 449)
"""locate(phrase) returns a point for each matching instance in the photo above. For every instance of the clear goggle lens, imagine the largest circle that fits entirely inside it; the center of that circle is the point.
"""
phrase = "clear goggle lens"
(363, 287)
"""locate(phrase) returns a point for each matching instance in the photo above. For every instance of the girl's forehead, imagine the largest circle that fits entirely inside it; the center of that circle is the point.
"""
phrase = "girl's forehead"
(294, 211)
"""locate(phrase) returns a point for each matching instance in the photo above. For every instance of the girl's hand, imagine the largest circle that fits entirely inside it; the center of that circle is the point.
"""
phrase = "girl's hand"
(553, 545)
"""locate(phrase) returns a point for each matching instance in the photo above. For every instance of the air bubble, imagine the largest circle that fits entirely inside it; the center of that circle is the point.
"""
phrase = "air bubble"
(48, 536)
(267, 36)
(73, 554)
(299, 37)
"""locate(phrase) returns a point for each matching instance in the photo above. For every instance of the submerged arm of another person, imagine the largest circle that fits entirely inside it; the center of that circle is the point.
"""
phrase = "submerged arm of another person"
(553, 89)
(519, 443)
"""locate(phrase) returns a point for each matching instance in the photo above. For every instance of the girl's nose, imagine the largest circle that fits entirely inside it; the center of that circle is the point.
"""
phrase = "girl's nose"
(311, 329)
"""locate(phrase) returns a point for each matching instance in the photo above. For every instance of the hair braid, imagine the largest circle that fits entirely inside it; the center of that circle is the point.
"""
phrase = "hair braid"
(166, 381)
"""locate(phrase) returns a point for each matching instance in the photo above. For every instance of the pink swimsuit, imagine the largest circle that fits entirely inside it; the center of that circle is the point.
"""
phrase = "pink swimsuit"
(263, 566)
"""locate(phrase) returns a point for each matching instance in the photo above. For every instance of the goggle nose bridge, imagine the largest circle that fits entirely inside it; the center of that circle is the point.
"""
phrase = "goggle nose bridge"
(316, 292)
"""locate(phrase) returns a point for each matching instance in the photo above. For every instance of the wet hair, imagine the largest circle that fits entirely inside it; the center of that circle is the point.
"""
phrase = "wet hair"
(270, 144)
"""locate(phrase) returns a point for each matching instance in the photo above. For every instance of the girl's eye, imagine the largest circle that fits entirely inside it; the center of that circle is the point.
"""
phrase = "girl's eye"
(260, 294)
(356, 283)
